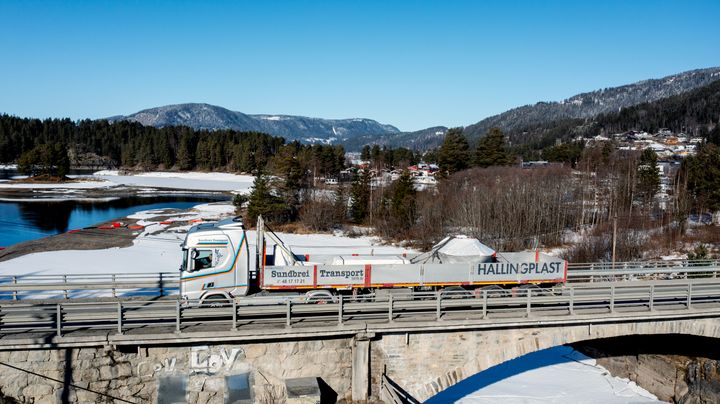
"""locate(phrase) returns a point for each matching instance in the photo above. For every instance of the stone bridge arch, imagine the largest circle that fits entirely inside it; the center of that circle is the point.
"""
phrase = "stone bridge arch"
(425, 364)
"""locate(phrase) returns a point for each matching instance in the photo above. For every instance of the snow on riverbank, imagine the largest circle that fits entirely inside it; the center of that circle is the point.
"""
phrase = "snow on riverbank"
(194, 181)
(555, 375)
(157, 248)
(182, 180)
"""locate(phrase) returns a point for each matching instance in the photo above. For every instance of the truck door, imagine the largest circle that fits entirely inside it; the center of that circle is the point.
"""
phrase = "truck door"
(209, 267)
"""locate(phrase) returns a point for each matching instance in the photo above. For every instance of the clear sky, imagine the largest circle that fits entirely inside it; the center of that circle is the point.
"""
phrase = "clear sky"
(413, 64)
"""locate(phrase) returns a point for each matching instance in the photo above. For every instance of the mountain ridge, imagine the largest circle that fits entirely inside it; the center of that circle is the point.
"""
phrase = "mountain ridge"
(593, 103)
(291, 127)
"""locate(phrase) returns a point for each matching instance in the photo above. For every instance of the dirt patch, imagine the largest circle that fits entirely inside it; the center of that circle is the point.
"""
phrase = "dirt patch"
(87, 239)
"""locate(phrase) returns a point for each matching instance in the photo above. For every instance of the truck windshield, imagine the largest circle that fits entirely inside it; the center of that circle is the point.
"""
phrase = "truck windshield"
(183, 266)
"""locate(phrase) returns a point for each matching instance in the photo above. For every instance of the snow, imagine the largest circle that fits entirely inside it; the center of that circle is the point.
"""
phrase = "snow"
(193, 181)
(555, 375)
(182, 180)
(65, 185)
(157, 248)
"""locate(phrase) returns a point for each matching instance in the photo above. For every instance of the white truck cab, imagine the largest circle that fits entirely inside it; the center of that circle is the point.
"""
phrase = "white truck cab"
(216, 261)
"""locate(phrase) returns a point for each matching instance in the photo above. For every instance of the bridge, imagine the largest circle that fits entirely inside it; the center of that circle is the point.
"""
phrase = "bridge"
(143, 350)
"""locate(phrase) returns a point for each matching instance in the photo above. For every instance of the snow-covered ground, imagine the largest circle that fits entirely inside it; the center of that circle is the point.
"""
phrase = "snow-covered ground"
(555, 375)
(180, 180)
(157, 249)
(184, 180)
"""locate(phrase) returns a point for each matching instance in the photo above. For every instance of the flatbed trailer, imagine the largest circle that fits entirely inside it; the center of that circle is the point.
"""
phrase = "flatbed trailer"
(220, 263)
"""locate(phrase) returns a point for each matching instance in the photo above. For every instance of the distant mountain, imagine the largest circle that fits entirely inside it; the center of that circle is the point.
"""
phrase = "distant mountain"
(588, 105)
(211, 117)
(424, 139)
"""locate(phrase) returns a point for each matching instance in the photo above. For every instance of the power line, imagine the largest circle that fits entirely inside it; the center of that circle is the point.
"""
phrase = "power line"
(64, 383)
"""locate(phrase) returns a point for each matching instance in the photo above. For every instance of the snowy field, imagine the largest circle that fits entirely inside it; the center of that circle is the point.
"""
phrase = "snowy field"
(555, 375)
(185, 180)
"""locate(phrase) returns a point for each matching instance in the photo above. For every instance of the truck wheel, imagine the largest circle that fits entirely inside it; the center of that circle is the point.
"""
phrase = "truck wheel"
(215, 301)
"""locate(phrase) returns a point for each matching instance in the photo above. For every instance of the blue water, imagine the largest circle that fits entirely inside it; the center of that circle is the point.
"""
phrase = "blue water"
(23, 221)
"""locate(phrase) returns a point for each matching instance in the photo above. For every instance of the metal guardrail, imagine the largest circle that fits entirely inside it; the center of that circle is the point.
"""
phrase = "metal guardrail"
(164, 283)
(625, 271)
(158, 283)
(261, 313)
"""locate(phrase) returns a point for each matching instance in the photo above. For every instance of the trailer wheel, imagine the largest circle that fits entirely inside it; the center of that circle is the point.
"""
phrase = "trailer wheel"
(319, 297)
(493, 291)
(455, 292)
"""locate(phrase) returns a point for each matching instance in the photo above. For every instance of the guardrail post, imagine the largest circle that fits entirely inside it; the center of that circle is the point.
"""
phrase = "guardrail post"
(612, 299)
(484, 311)
(689, 296)
(114, 294)
(652, 297)
(438, 305)
(571, 306)
(65, 292)
(119, 318)
(58, 319)
(529, 294)
(15, 293)
(390, 308)
(340, 309)
(288, 313)
(234, 315)
(178, 314)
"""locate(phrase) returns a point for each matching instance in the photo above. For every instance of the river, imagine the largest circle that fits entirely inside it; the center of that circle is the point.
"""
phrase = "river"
(28, 220)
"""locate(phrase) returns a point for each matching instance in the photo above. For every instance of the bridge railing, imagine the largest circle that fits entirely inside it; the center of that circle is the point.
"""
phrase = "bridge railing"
(625, 271)
(17, 287)
(596, 302)
(81, 285)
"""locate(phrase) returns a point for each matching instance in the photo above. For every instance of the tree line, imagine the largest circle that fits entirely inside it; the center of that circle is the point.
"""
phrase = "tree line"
(134, 146)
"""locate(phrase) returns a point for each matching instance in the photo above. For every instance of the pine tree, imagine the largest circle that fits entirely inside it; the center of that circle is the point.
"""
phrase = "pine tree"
(365, 154)
(263, 202)
(648, 178)
(340, 204)
(360, 196)
(490, 150)
(184, 156)
(703, 176)
(293, 178)
(453, 155)
(403, 201)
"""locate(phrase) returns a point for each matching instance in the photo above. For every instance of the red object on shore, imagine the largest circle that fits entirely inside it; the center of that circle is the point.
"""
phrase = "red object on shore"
(196, 221)
(74, 231)
(105, 227)
(136, 227)
(117, 224)
(166, 222)
(2, 248)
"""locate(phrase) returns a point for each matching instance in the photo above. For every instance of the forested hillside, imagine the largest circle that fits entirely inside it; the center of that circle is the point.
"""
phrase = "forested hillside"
(696, 112)
(589, 105)
(132, 145)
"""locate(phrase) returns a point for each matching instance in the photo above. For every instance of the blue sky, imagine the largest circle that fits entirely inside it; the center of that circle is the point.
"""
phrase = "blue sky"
(413, 64)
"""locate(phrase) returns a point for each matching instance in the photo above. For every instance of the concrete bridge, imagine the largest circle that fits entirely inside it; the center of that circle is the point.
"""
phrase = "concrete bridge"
(273, 363)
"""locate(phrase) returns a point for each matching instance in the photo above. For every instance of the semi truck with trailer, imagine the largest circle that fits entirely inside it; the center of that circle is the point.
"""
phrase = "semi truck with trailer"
(220, 262)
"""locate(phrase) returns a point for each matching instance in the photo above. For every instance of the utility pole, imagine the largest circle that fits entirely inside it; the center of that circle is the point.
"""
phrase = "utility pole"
(614, 239)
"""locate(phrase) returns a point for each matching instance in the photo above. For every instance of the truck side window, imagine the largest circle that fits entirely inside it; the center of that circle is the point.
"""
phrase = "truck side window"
(202, 259)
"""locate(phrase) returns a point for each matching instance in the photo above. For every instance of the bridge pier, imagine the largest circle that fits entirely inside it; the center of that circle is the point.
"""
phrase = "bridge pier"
(360, 373)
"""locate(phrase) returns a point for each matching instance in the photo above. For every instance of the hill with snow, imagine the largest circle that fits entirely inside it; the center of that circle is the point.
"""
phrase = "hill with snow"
(304, 129)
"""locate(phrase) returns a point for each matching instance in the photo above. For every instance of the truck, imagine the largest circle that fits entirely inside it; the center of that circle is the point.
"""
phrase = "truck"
(220, 262)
